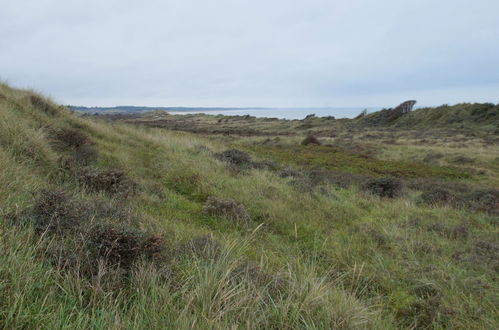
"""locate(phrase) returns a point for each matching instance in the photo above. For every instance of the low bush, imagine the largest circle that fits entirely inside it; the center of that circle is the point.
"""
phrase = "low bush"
(432, 157)
(111, 181)
(43, 105)
(483, 200)
(268, 165)
(424, 184)
(463, 160)
(85, 155)
(79, 146)
(439, 196)
(121, 245)
(73, 138)
(57, 212)
(290, 172)
(384, 187)
(226, 208)
(235, 157)
(311, 140)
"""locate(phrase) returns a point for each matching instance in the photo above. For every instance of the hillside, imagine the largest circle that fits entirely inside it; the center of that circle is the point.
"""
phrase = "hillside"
(107, 224)
(465, 115)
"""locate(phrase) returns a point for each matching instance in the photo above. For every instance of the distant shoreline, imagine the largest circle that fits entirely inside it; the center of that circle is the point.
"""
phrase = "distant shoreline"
(281, 113)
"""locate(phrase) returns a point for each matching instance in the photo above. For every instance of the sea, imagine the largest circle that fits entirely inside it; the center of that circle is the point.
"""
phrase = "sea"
(285, 113)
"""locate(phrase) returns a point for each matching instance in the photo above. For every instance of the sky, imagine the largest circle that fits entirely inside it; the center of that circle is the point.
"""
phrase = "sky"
(246, 53)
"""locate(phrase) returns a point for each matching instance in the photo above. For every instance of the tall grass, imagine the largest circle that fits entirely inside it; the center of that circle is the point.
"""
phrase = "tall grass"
(331, 258)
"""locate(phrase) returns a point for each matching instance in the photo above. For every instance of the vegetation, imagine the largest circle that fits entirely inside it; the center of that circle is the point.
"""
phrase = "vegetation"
(111, 225)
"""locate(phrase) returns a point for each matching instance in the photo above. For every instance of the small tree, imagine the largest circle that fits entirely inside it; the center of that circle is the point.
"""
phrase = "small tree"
(362, 114)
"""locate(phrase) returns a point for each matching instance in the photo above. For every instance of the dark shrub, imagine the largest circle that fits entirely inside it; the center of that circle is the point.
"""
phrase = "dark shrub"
(43, 105)
(483, 255)
(120, 245)
(80, 147)
(70, 138)
(290, 172)
(309, 179)
(239, 160)
(311, 140)
(384, 187)
(439, 228)
(268, 165)
(201, 246)
(431, 157)
(484, 200)
(85, 155)
(461, 231)
(439, 196)
(486, 250)
(431, 184)
(57, 212)
(111, 181)
(463, 160)
(227, 208)
(235, 157)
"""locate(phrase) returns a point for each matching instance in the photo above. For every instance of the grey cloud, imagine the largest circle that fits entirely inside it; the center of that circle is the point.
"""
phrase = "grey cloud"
(252, 53)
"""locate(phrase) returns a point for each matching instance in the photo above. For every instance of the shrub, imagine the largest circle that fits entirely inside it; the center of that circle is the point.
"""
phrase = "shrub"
(309, 179)
(42, 104)
(439, 196)
(70, 138)
(384, 187)
(85, 155)
(432, 184)
(227, 208)
(483, 200)
(77, 143)
(463, 160)
(268, 165)
(235, 157)
(290, 172)
(121, 245)
(111, 181)
(57, 212)
(311, 140)
(461, 231)
(432, 157)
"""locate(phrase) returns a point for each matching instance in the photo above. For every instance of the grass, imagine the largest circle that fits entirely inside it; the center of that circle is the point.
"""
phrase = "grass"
(338, 258)
(333, 159)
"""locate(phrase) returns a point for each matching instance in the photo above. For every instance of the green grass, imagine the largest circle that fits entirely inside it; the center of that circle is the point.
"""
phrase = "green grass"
(347, 259)
(331, 158)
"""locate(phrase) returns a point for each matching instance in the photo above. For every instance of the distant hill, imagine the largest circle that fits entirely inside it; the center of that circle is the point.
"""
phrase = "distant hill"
(450, 116)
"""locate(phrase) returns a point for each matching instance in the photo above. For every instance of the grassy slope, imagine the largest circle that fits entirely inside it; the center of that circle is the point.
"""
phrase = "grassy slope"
(352, 261)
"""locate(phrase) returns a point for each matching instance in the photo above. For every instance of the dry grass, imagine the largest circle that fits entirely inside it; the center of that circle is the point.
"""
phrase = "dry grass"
(329, 258)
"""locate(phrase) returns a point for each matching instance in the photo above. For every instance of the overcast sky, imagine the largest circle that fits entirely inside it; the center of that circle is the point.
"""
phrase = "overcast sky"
(252, 52)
